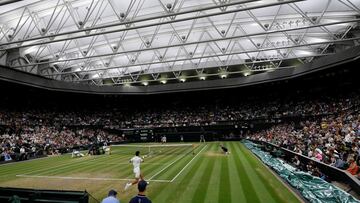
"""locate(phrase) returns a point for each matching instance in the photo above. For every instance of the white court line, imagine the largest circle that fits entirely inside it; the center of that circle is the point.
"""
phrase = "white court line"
(166, 167)
(188, 164)
(85, 178)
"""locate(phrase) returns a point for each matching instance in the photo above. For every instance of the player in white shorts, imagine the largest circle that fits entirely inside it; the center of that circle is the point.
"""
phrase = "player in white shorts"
(136, 161)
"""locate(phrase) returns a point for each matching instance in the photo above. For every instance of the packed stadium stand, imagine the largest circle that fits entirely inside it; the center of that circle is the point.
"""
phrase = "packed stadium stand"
(254, 101)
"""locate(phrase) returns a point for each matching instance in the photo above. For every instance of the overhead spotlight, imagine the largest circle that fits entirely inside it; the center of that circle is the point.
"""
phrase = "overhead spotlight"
(223, 76)
(163, 81)
(246, 74)
(122, 15)
(182, 80)
(145, 83)
(202, 78)
(169, 6)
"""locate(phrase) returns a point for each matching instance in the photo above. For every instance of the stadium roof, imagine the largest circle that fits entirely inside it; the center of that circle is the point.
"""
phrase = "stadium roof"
(145, 42)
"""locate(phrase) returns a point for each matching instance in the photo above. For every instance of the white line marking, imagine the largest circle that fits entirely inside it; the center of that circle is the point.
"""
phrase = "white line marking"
(188, 164)
(85, 178)
(166, 167)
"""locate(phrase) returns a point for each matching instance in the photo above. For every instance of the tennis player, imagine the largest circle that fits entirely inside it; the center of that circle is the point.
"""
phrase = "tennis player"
(136, 161)
(224, 149)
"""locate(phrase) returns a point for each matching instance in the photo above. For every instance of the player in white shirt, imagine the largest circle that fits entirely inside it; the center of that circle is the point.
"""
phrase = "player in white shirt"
(136, 161)
(163, 140)
(76, 153)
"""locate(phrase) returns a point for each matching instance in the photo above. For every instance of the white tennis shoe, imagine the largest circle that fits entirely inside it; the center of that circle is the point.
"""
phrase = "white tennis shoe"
(127, 186)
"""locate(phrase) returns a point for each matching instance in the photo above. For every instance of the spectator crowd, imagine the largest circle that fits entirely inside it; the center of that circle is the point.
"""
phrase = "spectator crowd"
(333, 138)
(327, 127)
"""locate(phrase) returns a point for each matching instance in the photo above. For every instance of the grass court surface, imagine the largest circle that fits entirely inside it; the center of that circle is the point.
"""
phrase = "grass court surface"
(175, 175)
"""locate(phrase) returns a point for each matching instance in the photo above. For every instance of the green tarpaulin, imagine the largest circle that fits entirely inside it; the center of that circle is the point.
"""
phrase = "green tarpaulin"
(312, 188)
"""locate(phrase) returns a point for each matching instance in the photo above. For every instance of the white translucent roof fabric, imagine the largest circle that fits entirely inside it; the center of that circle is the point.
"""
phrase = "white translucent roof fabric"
(93, 40)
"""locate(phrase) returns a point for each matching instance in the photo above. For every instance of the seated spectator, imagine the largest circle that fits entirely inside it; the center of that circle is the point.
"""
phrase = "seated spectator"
(296, 161)
(111, 198)
(339, 163)
(7, 156)
(141, 197)
(353, 167)
(318, 154)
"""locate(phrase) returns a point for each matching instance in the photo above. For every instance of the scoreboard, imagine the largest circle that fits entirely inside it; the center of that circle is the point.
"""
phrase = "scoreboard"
(139, 134)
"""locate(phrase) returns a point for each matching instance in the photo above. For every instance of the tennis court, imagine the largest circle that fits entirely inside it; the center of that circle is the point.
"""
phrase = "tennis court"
(178, 173)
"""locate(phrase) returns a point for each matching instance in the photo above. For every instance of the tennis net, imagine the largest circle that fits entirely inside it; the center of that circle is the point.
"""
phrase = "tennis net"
(153, 149)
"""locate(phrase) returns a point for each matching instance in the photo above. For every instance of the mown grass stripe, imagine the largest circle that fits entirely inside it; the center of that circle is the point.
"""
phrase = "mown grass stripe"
(261, 191)
(199, 182)
(32, 165)
(171, 172)
(178, 166)
(213, 192)
(224, 186)
(170, 158)
(71, 168)
(237, 192)
(173, 192)
(276, 189)
(201, 191)
(246, 184)
(71, 162)
(196, 183)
